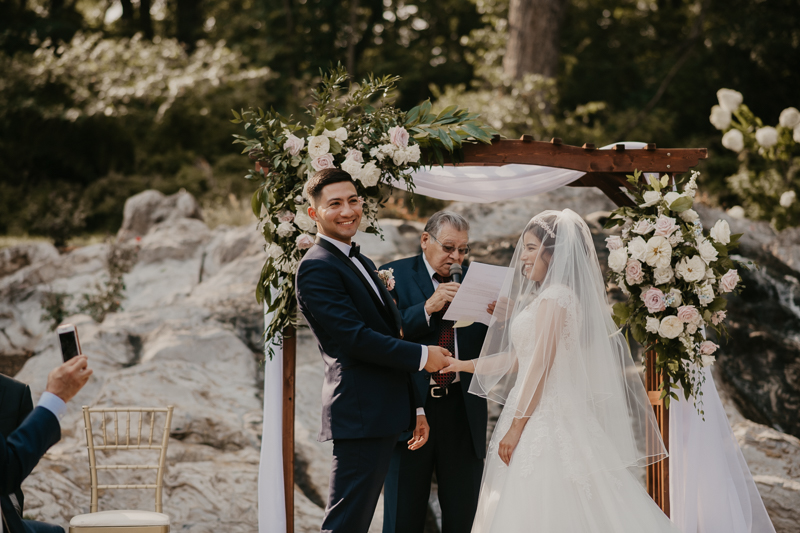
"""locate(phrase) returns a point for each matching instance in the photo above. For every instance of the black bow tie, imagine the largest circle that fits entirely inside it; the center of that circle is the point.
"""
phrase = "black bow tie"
(355, 250)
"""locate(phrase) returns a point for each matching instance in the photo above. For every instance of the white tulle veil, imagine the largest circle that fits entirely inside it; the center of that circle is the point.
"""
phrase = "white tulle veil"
(566, 353)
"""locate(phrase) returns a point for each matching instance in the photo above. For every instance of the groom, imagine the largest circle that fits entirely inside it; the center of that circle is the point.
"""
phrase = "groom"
(367, 396)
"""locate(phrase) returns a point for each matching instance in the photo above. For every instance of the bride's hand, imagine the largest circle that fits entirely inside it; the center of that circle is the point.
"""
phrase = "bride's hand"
(459, 366)
(509, 442)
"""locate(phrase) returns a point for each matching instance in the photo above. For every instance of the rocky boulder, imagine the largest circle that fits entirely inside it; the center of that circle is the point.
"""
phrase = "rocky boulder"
(148, 208)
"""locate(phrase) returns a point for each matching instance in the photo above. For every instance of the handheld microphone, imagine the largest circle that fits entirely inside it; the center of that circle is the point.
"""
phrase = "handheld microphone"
(456, 272)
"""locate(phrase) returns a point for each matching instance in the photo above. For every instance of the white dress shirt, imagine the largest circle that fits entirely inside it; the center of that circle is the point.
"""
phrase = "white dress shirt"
(431, 272)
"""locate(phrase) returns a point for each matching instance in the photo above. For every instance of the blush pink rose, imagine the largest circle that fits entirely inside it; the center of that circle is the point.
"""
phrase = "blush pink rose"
(304, 241)
(688, 314)
(708, 347)
(285, 216)
(398, 136)
(633, 272)
(665, 226)
(322, 162)
(613, 243)
(355, 155)
(718, 317)
(294, 144)
(729, 281)
(654, 300)
(643, 227)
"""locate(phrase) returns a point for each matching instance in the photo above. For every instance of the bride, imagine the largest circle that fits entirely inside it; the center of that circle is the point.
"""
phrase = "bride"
(576, 414)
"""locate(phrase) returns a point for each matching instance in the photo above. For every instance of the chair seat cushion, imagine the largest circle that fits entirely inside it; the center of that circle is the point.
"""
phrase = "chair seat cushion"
(126, 518)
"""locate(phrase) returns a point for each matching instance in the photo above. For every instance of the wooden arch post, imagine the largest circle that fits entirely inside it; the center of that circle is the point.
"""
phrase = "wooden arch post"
(605, 170)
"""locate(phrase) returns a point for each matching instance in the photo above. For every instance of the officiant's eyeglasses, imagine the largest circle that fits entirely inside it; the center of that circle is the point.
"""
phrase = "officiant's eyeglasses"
(449, 249)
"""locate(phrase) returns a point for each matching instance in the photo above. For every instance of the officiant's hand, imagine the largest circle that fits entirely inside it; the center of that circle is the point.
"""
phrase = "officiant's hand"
(438, 358)
(510, 441)
(421, 433)
(444, 293)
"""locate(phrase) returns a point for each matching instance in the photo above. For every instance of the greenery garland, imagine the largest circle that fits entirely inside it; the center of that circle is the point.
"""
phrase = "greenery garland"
(356, 130)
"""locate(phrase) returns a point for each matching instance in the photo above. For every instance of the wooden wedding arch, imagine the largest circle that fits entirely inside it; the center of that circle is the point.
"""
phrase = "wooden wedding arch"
(606, 170)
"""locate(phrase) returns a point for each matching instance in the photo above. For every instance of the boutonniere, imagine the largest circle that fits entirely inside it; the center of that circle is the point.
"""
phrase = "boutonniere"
(387, 277)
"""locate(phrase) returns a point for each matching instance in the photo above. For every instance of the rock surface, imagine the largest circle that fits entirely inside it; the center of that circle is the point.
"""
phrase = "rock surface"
(189, 335)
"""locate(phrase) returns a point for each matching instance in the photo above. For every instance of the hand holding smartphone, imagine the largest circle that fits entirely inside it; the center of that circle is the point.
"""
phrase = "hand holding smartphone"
(70, 345)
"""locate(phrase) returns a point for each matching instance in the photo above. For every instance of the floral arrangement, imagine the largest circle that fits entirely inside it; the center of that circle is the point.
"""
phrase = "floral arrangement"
(387, 277)
(769, 160)
(379, 145)
(675, 276)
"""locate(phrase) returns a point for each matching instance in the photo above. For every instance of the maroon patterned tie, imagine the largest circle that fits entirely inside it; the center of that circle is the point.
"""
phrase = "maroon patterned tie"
(447, 338)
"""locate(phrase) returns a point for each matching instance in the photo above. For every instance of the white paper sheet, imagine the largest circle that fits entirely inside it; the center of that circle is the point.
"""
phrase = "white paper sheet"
(480, 287)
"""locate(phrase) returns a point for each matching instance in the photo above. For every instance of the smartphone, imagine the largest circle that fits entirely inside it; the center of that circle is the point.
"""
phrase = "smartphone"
(70, 345)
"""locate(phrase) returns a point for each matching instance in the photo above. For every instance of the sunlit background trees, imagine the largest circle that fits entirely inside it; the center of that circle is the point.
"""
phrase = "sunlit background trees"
(100, 99)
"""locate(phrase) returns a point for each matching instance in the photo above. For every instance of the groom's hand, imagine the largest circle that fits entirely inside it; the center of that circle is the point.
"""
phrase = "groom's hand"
(438, 358)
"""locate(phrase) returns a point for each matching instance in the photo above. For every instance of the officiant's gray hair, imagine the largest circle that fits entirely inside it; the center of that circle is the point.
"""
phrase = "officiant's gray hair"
(440, 218)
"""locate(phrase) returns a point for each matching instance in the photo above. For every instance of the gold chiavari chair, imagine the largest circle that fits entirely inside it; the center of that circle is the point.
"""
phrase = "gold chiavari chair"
(125, 521)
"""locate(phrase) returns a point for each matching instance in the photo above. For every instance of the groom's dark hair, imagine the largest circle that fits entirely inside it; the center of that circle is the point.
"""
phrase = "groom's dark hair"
(326, 177)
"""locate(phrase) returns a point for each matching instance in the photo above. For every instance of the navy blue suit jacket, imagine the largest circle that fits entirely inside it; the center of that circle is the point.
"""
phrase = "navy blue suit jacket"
(15, 405)
(412, 288)
(19, 454)
(367, 391)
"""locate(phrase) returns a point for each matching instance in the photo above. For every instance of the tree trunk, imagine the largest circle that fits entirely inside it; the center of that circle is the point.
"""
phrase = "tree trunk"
(145, 20)
(533, 37)
(352, 39)
(127, 11)
(190, 20)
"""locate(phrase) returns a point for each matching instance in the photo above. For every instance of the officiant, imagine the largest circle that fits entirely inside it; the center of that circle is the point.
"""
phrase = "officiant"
(457, 445)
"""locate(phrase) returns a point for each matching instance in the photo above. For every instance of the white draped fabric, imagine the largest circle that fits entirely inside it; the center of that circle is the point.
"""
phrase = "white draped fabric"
(271, 506)
(711, 488)
(716, 493)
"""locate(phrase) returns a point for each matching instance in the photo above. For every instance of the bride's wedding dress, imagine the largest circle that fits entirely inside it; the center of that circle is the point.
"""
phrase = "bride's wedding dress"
(554, 358)
(565, 474)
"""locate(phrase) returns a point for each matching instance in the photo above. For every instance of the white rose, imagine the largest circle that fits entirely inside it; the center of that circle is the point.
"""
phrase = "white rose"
(274, 251)
(736, 212)
(790, 118)
(788, 198)
(369, 175)
(638, 248)
(293, 144)
(733, 140)
(285, 229)
(663, 275)
(705, 294)
(693, 269)
(767, 136)
(413, 153)
(690, 215)
(729, 99)
(720, 118)
(652, 325)
(352, 167)
(674, 298)
(721, 232)
(650, 198)
(613, 243)
(659, 252)
(670, 327)
(671, 197)
(340, 134)
(707, 251)
(618, 259)
(303, 221)
(707, 360)
(675, 239)
(318, 146)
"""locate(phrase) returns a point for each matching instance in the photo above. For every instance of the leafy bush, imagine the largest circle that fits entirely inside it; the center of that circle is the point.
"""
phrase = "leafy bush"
(768, 180)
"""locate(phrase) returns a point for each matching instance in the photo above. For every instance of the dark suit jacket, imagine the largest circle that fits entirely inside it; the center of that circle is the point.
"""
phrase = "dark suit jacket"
(367, 388)
(412, 288)
(15, 404)
(20, 453)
